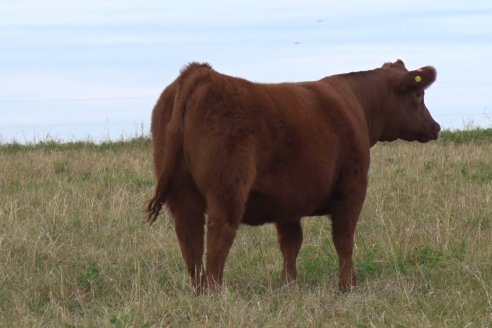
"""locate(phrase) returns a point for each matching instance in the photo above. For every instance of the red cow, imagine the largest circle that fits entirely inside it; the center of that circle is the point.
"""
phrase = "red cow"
(229, 151)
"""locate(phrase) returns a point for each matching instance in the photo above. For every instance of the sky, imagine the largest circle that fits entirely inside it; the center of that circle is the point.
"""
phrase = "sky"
(93, 70)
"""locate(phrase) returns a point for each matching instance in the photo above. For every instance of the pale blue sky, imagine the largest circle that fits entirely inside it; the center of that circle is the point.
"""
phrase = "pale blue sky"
(94, 69)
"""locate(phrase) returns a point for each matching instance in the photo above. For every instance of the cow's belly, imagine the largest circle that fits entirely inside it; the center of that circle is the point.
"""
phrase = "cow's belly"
(262, 208)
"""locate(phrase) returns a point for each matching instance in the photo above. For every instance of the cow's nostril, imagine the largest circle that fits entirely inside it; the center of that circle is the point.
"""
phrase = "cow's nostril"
(437, 127)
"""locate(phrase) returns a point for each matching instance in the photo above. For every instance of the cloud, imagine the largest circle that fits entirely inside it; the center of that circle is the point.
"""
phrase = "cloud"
(116, 49)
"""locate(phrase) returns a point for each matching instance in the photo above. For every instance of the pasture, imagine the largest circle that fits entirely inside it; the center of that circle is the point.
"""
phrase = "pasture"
(75, 250)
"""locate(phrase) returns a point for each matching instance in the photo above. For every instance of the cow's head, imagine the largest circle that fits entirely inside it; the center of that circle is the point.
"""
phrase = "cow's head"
(407, 117)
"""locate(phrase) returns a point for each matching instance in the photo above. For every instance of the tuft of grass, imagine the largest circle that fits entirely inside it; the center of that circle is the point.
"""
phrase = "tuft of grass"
(75, 251)
(53, 145)
(130, 319)
(90, 276)
(466, 136)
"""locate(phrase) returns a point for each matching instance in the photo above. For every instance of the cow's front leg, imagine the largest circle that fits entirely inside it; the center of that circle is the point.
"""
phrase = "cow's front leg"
(345, 215)
(343, 238)
(290, 241)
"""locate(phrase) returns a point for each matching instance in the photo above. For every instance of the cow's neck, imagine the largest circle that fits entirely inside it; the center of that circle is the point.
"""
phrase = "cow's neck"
(370, 88)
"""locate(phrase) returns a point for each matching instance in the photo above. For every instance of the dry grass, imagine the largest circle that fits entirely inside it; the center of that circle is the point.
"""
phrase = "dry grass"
(74, 251)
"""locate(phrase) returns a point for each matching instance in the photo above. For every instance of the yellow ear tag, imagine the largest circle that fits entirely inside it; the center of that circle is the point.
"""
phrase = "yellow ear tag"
(418, 78)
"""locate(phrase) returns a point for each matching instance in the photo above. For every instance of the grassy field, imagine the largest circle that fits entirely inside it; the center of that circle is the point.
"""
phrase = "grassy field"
(75, 252)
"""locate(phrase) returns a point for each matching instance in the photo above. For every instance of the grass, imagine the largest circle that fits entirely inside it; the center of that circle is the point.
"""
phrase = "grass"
(467, 135)
(75, 252)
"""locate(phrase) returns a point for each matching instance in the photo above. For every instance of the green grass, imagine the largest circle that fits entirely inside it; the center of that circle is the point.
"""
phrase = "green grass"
(466, 136)
(75, 251)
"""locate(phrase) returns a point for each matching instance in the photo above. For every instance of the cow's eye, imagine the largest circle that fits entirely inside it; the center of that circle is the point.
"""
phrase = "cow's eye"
(419, 97)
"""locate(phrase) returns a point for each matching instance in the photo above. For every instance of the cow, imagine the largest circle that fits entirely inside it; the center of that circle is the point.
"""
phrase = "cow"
(228, 151)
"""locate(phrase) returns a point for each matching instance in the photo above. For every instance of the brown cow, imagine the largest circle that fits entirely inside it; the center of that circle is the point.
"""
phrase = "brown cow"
(243, 152)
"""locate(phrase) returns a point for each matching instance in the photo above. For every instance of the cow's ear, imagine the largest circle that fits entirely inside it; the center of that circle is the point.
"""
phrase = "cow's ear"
(418, 79)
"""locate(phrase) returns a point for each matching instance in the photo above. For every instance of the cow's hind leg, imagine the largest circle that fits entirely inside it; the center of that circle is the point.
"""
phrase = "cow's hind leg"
(290, 241)
(187, 208)
(226, 202)
(224, 216)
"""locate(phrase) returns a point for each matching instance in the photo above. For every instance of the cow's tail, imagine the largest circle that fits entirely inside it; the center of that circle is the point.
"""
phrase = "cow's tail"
(189, 79)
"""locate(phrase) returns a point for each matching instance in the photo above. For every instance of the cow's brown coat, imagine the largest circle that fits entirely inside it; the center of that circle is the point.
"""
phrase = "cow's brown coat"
(243, 152)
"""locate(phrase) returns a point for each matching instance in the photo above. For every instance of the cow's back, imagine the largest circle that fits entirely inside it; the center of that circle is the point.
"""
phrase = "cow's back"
(298, 134)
